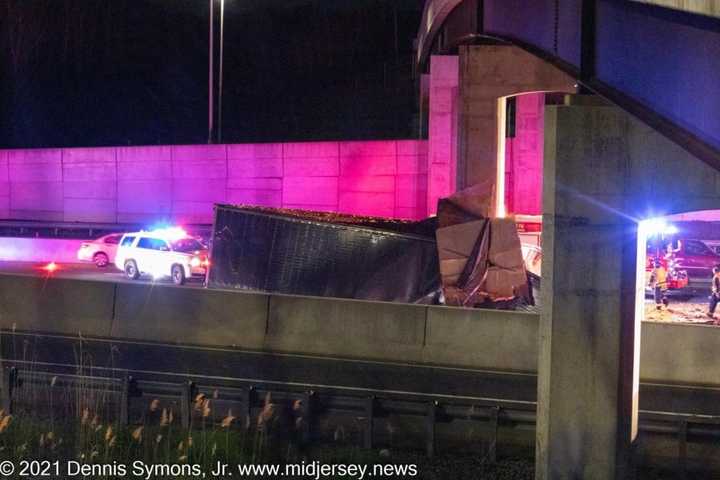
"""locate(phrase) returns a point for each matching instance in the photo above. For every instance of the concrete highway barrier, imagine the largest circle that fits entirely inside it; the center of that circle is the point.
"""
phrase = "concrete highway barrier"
(680, 353)
(165, 313)
(56, 305)
(349, 328)
(381, 331)
(488, 339)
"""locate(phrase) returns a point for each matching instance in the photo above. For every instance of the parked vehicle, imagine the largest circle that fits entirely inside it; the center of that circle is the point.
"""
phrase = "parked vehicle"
(677, 278)
(695, 257)
(162, 253)
(100, 251)
(713, 245)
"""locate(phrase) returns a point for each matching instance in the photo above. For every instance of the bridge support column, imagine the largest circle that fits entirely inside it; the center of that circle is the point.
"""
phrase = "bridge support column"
(442, 129)
(604, 171)
(488, 74)
(589, 332)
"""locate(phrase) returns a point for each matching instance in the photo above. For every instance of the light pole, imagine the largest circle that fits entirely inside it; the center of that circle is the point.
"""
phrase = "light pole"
(220, 71)
(210, 78)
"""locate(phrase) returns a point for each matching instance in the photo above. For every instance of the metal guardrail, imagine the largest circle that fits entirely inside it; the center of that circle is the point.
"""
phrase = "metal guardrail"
(367, 404)
(245, 396)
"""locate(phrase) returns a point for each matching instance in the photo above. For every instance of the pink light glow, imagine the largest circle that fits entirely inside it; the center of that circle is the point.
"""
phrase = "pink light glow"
(524, 157)
(181, 183)
(442, 148)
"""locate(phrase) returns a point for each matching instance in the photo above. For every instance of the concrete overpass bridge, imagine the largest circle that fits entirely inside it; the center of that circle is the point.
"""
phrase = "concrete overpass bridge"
(661, 65)
(638, 136)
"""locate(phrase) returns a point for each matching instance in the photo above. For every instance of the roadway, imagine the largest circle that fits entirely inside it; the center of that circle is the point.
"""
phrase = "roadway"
(82, 271)
(691, 298)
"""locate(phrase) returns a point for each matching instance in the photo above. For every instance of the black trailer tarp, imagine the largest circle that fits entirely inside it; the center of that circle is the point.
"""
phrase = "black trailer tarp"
(268, 250)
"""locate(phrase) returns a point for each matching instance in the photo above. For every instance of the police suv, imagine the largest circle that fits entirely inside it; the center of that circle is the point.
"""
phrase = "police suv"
(162, 253)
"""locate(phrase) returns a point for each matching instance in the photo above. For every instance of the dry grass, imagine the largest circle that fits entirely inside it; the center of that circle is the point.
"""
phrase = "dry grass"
(53, 419)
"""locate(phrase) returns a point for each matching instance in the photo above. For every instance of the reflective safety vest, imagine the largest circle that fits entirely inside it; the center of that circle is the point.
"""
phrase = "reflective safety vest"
(660, 277)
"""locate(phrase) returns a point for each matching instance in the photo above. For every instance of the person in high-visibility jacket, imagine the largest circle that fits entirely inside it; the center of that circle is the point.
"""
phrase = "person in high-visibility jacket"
(659, 284)
(715, 292)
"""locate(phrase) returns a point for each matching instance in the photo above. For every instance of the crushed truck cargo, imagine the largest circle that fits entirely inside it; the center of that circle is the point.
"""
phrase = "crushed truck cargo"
(481, 259)
(368, 258)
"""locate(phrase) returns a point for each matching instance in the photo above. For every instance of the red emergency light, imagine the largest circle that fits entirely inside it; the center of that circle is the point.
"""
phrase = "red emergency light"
(51, 267)
(529, 227)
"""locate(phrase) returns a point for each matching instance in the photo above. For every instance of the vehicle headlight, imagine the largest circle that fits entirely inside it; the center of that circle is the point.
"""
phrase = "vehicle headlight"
(195, 262)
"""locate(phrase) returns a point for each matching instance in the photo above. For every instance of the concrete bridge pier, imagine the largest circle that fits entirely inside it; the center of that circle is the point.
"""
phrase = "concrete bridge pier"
(589, 334)
(604, 171)
(488, 75)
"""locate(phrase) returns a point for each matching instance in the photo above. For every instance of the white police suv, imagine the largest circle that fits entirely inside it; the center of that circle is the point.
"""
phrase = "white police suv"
(169, 252)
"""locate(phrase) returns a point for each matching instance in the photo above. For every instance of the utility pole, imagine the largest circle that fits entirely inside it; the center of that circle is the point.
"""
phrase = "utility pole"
(220, 71)
(210, 77)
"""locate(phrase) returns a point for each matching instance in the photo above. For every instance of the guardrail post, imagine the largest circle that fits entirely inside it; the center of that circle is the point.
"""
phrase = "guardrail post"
(9, 382)
(369, 422)
(430, 419)
(125, 402)
(309, 399)
(682, 449)
(129, 389)
(492, 448)
(186, 402)
(247, 403)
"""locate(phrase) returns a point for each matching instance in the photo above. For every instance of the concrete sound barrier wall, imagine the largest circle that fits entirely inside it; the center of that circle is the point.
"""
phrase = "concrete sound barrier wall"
(182, 182)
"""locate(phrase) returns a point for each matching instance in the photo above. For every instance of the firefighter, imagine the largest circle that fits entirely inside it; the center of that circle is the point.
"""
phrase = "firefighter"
(658, 282)
(670, 251)
(715, 295)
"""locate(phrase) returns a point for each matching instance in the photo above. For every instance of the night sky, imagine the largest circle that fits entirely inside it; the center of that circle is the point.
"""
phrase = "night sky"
(134, 72)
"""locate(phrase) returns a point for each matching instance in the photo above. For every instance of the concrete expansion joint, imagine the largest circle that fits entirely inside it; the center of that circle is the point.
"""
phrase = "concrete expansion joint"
(570, 221)
(587, 292)
(567, 221)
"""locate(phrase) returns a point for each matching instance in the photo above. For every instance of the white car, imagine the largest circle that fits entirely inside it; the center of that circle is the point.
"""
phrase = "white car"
(100, 251)
(162, 253)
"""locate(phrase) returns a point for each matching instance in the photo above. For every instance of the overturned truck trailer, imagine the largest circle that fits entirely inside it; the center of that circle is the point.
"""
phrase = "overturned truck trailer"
(323, 254)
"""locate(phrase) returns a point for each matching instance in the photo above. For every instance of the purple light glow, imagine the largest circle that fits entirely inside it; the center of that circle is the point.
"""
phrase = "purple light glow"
(181, 183)
(524, 157)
